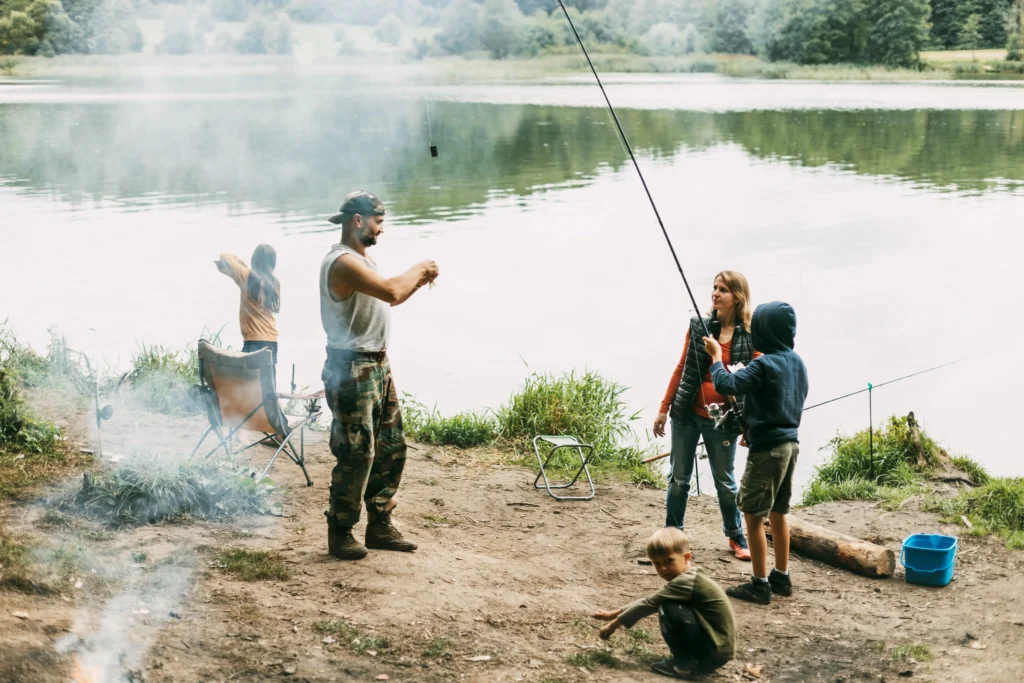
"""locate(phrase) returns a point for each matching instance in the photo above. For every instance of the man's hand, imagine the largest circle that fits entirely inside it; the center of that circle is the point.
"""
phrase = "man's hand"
(713, 348)
(428, 274)
(659, 424)
(607, 614)
(743, 442)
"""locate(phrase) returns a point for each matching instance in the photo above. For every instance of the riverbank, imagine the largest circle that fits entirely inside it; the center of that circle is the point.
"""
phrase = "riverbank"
(500, 590)
(460, 70)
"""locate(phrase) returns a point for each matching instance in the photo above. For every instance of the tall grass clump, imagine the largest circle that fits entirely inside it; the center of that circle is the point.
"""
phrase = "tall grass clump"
(32, 449)
(162, 379)
(588, 407)
(997, 507)
(148, 490)
(463, 430)
(848, 473)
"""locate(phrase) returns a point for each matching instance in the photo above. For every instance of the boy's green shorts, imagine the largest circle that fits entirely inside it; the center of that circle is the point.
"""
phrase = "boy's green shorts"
(767, 482)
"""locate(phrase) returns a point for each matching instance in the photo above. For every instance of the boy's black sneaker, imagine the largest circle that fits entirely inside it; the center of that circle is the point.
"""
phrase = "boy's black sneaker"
(780, 583)
(668, 667)
(752, 591)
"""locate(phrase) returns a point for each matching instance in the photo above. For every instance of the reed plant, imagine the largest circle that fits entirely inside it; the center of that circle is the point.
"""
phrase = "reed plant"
(463, 430)
(997, 507)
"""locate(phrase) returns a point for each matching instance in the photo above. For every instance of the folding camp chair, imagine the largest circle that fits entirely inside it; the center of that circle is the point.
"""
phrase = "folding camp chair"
(557, 442)
(239, 392)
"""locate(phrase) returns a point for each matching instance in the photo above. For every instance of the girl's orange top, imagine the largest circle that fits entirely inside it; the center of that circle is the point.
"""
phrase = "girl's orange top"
(707, 393)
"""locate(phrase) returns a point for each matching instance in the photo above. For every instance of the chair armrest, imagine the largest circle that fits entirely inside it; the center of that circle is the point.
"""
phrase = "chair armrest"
(302, 397)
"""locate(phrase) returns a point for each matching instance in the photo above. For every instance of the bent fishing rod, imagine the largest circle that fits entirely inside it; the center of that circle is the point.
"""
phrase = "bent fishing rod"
(733, 406)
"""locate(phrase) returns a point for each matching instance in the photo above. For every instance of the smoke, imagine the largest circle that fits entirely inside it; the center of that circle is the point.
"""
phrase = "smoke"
(110, 643)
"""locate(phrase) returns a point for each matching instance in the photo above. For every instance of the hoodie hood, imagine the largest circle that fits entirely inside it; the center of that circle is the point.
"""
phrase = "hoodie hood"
(774, 327)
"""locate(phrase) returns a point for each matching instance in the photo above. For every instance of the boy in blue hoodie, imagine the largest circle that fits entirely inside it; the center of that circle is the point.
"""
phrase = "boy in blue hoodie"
(775, 386)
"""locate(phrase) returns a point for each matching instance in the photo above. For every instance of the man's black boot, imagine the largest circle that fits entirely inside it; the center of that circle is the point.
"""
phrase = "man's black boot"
(381, 534)
(342, 544)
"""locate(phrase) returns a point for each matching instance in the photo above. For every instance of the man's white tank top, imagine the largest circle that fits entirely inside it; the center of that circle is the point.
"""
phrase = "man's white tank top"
(358, 323)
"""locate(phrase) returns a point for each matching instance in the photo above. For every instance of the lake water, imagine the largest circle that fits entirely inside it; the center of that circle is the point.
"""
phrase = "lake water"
(888, 215)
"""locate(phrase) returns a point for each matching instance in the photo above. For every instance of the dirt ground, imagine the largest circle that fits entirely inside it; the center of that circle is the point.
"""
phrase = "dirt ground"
(500, 589)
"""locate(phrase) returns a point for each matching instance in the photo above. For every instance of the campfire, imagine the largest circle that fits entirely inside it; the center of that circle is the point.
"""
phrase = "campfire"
(86, 673)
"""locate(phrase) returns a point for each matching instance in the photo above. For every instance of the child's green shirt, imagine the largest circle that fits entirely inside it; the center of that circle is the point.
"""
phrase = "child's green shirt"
(695, 589)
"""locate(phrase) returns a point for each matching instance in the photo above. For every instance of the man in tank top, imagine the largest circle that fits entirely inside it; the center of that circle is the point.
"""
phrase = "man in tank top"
(366, 432)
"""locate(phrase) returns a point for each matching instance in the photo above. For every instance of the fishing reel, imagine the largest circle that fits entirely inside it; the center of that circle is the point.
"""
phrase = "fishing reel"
(716, 413)
(104, 413)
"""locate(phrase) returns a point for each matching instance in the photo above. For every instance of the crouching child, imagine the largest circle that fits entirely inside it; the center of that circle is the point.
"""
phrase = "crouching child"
(696, 618)
(775, 387)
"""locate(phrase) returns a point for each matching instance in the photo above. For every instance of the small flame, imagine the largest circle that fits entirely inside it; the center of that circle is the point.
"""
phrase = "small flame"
(85, 674)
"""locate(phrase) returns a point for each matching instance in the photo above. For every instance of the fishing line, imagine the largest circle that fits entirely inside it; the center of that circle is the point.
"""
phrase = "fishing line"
(893, 381)
(629, 150)
(733, 405)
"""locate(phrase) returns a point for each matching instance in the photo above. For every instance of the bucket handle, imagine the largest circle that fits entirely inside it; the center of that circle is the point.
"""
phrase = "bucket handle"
(903, 552)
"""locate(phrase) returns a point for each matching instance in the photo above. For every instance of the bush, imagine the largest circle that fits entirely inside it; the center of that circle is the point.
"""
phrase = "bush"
(254, 38)
(463, 430)
(389, 30)
(894, 460)
(461, 27)
(281, 37)
(313, 11)
(161, 379)
(588, 407)
(230, 10)
(666, 40)
(996, 507)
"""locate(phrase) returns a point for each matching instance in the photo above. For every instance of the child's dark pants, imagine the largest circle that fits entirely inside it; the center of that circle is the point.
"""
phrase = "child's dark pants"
(690, 645)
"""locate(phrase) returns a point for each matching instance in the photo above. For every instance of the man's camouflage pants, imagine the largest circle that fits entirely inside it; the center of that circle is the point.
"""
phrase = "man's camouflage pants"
(366, 438)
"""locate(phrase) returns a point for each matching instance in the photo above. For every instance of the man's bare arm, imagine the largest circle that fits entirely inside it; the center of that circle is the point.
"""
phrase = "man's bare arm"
(350, 274)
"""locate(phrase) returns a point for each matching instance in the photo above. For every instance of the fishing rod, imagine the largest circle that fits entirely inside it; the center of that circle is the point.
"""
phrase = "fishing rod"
(733, 405)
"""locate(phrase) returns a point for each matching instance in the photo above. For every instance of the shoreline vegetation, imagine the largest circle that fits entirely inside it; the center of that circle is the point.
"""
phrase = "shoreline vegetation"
(468, 70)
(908, 468)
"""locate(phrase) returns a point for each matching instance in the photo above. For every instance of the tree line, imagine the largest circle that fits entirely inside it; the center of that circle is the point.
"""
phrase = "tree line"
(889, 32)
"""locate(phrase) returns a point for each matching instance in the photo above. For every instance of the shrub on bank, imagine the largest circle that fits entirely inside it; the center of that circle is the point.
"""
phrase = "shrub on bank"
(894, 474)
(997, 507)
(464, 430)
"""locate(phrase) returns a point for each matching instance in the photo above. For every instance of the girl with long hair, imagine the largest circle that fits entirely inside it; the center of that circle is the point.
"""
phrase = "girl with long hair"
(260, 297)
(686, 402)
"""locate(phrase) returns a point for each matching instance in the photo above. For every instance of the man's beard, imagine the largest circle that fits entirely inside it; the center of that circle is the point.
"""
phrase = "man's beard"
(368, 239)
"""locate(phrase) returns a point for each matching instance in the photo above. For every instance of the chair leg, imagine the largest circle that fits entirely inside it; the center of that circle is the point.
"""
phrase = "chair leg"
(201, 440)
(583, 468)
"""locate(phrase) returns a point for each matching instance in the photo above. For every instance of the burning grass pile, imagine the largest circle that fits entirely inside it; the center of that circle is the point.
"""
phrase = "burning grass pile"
(150, 491)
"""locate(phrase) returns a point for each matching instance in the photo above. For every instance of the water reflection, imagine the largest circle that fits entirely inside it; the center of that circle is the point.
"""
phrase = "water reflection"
(293, 155)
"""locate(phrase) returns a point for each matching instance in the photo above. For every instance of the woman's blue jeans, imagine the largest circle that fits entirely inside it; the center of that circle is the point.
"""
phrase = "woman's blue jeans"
(721, 448)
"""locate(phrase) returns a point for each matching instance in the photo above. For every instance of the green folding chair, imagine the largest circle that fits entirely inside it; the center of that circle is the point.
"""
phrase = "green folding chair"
(556, 443)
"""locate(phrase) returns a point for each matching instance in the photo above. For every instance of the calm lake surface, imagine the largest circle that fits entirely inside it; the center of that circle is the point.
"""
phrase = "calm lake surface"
(888, 215)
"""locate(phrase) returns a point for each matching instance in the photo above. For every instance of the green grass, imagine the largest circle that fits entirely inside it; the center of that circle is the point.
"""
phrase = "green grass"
(638, 642)
(464, 430)
(971, 468)
(251, 565)
(997, 507)
(438, 648)
(586, 406)
(139, 556)
(848, 473)
(593, 659)
(917, 651)
(358, 640)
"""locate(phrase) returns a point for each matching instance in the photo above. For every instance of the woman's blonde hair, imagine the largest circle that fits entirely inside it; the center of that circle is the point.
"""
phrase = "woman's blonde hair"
(667, 541)
(736, 283)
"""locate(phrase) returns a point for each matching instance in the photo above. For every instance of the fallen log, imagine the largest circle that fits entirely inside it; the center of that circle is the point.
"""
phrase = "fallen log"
(840, 550)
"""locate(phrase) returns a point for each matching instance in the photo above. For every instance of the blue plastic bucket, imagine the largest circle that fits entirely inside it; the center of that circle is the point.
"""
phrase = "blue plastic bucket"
(928, 559)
